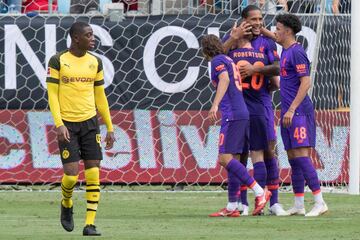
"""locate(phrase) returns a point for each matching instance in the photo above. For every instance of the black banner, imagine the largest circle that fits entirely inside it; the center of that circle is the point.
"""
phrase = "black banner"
(152, 58)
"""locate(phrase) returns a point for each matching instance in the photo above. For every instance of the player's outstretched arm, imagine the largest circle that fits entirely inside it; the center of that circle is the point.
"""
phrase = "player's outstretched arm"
(268, 33)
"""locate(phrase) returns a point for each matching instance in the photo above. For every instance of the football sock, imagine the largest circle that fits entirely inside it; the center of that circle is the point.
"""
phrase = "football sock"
(299, 200)
(243, 195)
(272, 180)
(232, 206)
(67, 187)
(298, 181)
(92, 194)
(310, 174)
(233, 187)
(260, 173)
(318, 197)
(241, 173)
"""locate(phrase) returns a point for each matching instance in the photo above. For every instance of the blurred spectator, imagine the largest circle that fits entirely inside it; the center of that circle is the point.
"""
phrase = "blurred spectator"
(341, 6)
(41, 6)
(303, 6)
(129, 5)
(84, 6)
(270, 6)
(11, 6)
(283, 4)
(14, 6)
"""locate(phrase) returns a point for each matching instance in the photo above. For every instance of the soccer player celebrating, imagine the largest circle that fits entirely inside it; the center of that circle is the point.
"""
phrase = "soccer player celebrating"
(298, 130)
(75, 86)
(253, 86)
(234, 126)
(266, 171)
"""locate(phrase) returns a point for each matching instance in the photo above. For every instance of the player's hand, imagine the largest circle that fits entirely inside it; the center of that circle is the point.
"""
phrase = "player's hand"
(241, 31)
(109, 140)
(213, 113)
(246, 70)
(63, 134)
(287, 119)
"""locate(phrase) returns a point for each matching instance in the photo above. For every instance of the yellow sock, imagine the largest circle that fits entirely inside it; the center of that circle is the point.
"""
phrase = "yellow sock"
(92, 194)
(67, 188)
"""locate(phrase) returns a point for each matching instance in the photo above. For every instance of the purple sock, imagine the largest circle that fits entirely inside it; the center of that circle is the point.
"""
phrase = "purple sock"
(297, 177)
(310, 173)
(260, 173)
(272, 180)
(243, 195)
(235, 167)
(233, 187)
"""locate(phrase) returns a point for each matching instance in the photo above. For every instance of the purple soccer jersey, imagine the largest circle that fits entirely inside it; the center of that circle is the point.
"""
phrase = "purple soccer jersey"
(268, 47)
(254, 85)
(294, 64)
(234, 131)
(232, 105)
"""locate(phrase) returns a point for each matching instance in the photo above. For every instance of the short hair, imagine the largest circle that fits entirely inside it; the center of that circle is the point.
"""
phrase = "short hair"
(77, 27)
(249, 8)
(211, 45)
(290, 21)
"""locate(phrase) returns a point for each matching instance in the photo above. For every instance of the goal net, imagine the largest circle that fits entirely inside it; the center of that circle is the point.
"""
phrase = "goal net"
(159, 93)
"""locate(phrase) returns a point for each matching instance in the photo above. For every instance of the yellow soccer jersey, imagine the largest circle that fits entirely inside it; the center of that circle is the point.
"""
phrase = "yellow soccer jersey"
(77, 77)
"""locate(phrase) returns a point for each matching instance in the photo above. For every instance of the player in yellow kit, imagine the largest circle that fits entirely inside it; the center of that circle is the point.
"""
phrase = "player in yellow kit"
(75, 85)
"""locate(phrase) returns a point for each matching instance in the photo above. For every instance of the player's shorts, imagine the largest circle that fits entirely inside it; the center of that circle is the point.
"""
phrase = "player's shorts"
(85, 141)
(271, 127)
(258, 133)
(234, 136)
(301, 133)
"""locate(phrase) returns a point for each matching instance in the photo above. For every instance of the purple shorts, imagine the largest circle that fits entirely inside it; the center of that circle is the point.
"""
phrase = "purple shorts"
(234, 136)
(258, 133)
(301, 133)
(271, 128)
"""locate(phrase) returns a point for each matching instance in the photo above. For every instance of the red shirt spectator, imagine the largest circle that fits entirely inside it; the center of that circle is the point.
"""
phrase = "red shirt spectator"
(38, 6)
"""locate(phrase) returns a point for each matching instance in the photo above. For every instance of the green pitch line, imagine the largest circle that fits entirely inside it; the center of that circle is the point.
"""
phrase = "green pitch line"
(151, 215)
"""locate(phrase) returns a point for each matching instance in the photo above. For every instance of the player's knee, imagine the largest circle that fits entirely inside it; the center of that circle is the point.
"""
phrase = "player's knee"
(224, 159)
(269, 154)
(257, 156)
(71, 169)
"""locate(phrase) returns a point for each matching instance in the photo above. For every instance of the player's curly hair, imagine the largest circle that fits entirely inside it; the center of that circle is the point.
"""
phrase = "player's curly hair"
(211, 46)
(249, 8)
(290, 21)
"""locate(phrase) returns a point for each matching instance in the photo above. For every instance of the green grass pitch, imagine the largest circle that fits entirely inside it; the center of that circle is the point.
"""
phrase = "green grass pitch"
(172, 215)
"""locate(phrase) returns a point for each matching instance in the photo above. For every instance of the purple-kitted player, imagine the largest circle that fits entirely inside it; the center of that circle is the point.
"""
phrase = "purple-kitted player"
(234, 126)
(266, 170)
(253, 86)
(298, 128)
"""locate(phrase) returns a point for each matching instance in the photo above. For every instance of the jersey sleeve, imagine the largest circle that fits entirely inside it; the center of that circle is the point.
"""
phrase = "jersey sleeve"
(99, 80)
(271, 51)
(52, 80)
(300, 62)
(53, 71)
(218, 67)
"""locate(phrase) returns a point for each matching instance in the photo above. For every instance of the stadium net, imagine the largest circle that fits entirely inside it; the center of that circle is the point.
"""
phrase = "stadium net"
(159, 92)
